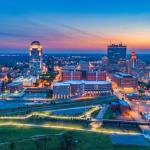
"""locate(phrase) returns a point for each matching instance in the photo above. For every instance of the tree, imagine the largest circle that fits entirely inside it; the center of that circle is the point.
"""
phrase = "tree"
(49, 94)
(38, 144)
(44, 141)
(41, 143)
(12, 146)
(68, 141)
(141, 92)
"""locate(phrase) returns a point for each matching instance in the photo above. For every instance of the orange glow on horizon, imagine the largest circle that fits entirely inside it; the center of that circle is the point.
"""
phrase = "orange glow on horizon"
(88, 43)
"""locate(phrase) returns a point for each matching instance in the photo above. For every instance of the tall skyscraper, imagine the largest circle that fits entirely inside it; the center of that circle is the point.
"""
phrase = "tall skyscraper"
(133, 59)
(135, 65)
(35, 60)
(116, 53)
(116, 57)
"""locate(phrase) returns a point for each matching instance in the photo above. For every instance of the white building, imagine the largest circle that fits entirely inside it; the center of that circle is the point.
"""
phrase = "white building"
(67, 89)
(61, 90)
(26, 81)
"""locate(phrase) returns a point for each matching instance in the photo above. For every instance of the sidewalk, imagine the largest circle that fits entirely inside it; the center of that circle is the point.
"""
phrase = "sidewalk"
(102, 112)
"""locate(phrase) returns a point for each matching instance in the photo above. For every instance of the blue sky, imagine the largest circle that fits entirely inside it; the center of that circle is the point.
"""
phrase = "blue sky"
(74, 25)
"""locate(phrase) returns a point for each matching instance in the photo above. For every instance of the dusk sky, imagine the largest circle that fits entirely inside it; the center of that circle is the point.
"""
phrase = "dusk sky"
(74, 25)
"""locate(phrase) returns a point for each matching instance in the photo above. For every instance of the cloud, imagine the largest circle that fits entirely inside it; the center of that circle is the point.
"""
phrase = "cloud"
(82, 32)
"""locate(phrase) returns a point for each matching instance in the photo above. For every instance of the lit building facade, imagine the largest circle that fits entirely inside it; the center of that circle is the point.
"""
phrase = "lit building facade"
(96, 76)
(62, 90)
(88, 75)
(97, 88)
(124, 81)
(76, 86)
(35, 58)
(132, 63)
(71, 75)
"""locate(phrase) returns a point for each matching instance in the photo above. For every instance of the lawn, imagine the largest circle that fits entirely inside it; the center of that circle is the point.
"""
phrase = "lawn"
(23, 137)
(110, 114)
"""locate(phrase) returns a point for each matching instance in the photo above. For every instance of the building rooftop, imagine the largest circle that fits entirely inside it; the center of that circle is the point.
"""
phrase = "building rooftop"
(23, 78)
(116, 45)
(35, 43)
(74, 81)
(61, 84)
(97, 82)
(123, 75)
(14, 83)
(80, 82)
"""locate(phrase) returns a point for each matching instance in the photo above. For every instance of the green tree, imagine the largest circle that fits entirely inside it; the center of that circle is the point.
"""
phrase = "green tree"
(141, 92)
(49, 94)
(41, 143)
(12, 146)
(44, 141)
(38, 144)
(68, 141)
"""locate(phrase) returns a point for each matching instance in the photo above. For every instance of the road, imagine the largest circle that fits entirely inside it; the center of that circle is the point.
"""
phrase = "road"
(102, 112)
(57, 106)
(135, 113)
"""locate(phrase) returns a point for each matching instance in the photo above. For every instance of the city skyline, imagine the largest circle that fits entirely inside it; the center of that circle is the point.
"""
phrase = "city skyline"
(74, 27)
(74, 74)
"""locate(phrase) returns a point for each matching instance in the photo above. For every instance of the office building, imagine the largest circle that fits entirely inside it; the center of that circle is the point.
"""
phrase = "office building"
(62, 90)
(124, 81)
(117, 57)
(96, 76)
(97, 88)
(71, 75)
(88, 75)
(35, 58)
(116, 53)
(77, 87)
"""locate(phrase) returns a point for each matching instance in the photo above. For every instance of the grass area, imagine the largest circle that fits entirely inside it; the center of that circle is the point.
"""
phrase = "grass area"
(23, 139)
(119, 129)
(95, 113)
(59, 123)
(110, 114)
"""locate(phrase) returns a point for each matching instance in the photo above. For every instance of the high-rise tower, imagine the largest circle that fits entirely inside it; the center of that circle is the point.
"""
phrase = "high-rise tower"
(116, 57)
(35, 60)
(116, 53)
